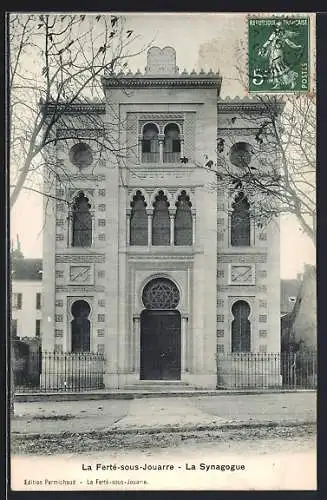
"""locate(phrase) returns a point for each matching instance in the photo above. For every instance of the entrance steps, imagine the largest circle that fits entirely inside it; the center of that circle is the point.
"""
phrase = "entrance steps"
(159, 386)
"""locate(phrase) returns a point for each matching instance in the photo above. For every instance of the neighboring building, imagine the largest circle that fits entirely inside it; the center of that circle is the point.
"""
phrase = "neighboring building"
(299, 324)
(26, 303)
(148, 262)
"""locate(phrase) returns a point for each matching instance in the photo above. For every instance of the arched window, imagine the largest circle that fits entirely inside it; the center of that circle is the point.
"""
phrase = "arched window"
(150, 143)
(172, 144)
(183, 221)
(241, 327)
(82, 222)
(240, 222)
(139, 221)
(80, 326)
(161, 221)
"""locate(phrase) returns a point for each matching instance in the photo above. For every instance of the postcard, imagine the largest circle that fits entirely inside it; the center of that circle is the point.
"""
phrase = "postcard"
(162, 261)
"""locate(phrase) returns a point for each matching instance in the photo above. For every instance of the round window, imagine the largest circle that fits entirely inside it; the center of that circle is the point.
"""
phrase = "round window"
(240, 154)
(160, 293)
(81, 155)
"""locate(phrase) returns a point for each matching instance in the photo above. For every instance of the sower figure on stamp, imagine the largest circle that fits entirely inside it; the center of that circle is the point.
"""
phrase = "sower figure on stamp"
(272, 49)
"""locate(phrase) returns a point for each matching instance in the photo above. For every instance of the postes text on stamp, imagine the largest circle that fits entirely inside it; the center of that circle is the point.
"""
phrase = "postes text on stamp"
(278, 54)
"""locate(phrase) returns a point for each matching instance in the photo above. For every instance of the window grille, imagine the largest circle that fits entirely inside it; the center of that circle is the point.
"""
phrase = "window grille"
(160, 293)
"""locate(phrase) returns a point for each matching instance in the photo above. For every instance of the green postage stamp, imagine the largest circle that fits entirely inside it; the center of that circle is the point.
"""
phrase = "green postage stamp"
(278, 54)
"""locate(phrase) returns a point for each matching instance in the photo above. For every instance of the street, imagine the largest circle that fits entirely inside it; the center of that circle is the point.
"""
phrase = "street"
(260, 441)
(48, 417)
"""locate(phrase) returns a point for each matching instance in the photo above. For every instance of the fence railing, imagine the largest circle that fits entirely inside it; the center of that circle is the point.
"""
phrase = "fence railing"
(48, 371)
(62, 372)
(292, 370)
(171, 157)
(150, 157)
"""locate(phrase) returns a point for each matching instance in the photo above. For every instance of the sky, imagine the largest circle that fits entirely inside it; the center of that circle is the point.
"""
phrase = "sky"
(201, 40)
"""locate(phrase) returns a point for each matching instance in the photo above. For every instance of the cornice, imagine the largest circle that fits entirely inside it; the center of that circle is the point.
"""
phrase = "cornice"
(242, 257)
(76, 133)
(246, 105)
(138, 82)
(246, 131)
(160, 116)
(82, 258)
(86, 108)
(153, 258)
(80, 289)
(83, 177)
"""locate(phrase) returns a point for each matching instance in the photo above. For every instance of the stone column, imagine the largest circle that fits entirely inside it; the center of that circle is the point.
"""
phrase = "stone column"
(139, 153)
(193, 227)
(184, 339)
(229, 227)
(182, 145)
(252, 229)
(150, 215)
(128, 226)
(136, 345)
(93, 241)
(69, 230)
(172, 227)
(68, 337)
(161, 143)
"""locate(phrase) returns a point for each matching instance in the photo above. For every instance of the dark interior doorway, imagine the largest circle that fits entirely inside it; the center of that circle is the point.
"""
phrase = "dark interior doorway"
(80, 326)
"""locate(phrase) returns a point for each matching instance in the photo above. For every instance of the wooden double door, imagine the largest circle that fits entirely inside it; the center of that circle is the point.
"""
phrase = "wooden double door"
(160, 345)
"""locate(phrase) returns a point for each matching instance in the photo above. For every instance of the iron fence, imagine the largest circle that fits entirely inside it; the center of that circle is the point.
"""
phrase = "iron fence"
(62, 372)
(49, 371)
(291, 370)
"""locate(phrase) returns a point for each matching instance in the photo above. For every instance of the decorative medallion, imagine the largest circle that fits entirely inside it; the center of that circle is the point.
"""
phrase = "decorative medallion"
(160, 293)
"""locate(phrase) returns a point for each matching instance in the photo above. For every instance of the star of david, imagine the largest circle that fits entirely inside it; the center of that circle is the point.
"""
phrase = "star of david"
(161, 295)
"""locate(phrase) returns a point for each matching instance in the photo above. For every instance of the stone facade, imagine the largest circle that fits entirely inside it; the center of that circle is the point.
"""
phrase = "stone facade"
(115, 272)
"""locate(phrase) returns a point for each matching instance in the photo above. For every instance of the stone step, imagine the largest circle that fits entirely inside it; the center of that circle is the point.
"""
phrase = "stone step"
(158, 386)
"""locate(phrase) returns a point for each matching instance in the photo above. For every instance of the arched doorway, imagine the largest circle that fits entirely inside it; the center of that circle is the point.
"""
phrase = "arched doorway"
(80, 326)
(241, 327)
(160, 331)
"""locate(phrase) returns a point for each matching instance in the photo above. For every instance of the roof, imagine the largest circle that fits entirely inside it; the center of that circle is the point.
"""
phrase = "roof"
(26, 269)
(288, 292)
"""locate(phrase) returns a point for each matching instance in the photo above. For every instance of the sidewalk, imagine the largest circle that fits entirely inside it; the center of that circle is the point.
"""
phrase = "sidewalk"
(160, 414)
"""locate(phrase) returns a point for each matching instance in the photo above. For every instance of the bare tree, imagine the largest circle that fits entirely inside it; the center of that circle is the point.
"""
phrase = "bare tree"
(277, 167)
(55, 65)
